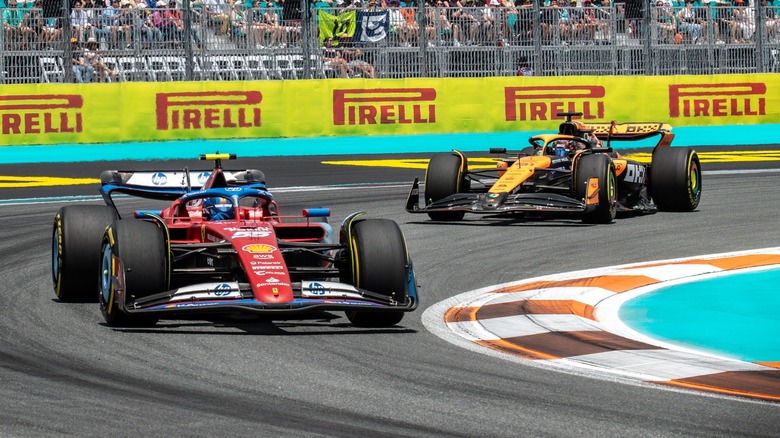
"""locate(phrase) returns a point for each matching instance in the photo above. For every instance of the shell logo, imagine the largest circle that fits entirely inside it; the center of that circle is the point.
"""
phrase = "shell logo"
(259, 248)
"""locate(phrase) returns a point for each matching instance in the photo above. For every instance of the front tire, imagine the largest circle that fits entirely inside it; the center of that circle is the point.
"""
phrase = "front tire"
(443, 178)
(675, 179)
(134, 254)
(75, 262)
(597, 166)
(379, 264)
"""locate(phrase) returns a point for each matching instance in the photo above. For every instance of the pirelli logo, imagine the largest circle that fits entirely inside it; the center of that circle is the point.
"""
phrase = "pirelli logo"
(208, 110)
(41, 114)
(717, 100)
(526, 104)
(384, 106)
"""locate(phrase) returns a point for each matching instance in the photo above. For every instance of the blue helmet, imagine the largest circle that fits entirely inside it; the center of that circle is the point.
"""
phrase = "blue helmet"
(217, 209)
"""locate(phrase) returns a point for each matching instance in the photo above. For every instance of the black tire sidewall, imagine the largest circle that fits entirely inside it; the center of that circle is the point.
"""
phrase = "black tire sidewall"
(77, 233)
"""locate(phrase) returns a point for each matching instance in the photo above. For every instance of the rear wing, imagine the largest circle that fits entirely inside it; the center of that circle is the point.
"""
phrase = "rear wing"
(629, 131)
(170, 184)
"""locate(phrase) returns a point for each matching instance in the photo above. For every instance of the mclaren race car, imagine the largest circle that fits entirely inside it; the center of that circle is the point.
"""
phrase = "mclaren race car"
(573, 172)
(221, 246)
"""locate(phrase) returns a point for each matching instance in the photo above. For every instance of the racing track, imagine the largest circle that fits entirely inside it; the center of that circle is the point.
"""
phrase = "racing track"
(62, 372)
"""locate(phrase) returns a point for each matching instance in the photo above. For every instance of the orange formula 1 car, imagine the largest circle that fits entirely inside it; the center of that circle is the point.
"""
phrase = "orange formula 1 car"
(573, 172)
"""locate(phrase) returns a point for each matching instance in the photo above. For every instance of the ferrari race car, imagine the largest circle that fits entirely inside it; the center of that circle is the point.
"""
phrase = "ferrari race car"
(573, 172)
(223, 246)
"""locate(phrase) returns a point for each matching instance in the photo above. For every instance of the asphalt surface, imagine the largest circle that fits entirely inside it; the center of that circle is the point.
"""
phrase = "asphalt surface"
(65, 373)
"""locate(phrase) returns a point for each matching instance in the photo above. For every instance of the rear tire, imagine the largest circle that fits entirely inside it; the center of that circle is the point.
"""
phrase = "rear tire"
(75, 262)
(443, 178)
(597, 166)
(675, 179)
(141, 248)
(379, 264)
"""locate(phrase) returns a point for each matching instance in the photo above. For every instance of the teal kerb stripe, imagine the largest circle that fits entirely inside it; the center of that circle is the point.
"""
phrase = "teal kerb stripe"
(474, 142)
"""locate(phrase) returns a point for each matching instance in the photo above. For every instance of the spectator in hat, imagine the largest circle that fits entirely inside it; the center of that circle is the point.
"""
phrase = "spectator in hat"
(93, 58)
(82, 72)
(150, 34)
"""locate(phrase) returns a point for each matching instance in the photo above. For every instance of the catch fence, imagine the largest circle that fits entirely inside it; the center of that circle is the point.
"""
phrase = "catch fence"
(270, 41)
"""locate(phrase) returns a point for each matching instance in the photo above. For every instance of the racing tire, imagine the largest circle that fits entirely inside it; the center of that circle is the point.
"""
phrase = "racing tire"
(141, 249)
(379, 264)
(597, 166)
(443, 178)
(75, 261)
(675, 179)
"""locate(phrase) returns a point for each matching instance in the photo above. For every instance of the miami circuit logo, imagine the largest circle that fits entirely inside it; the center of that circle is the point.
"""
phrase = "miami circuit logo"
(208, 110)
(526, 104)
(41, 114)
(384, 106)
(717, 100)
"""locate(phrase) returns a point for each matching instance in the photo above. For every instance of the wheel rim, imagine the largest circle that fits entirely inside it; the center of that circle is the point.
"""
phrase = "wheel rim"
(694, 178)
(611, 191)
(106, 274)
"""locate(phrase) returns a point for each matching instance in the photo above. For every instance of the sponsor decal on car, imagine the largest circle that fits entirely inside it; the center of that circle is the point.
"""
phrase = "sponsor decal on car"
(208, 110)
(259, 248)
(524, 104)
(207, 291)
(717, 100)
(222, 290)
(384, 106)
(41, 114)
(266, 264)
(159, 179)
(254, 234)
(273, 281)
(202, 177)
(327, 289)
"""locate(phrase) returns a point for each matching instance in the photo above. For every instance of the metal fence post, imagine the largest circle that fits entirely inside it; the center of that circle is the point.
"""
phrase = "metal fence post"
(189, 56)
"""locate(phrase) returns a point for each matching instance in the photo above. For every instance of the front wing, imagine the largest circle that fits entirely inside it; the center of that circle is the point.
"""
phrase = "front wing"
(497, 203)
(220, 297)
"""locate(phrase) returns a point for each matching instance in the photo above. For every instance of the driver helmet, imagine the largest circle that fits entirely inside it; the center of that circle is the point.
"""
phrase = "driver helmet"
(562, 147)
(217, 209)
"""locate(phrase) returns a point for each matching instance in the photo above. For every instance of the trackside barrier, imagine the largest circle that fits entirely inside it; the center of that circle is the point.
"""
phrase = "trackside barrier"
(139, 111)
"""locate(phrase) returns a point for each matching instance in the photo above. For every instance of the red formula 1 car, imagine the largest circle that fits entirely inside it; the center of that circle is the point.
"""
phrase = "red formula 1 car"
(573, 172)
(222, 245)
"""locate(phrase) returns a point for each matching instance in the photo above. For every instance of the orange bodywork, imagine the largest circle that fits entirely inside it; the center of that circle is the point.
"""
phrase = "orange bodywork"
(620, 166)
(518, 172)
(593, 191)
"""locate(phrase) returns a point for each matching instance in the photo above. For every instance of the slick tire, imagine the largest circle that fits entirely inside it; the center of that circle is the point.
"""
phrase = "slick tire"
(675, 179)
(75, 261)
(379, 264)
(443, 178)
(597, 166)
(141, 255)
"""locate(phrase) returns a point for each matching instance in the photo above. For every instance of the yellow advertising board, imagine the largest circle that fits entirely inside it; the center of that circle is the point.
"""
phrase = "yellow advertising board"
(139, 111)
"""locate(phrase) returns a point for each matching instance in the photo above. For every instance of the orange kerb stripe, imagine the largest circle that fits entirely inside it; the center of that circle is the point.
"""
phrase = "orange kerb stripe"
(515, 350)
(460, 314)
(728, 391)
(769, 364)
(738, 262)
(614, 283)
